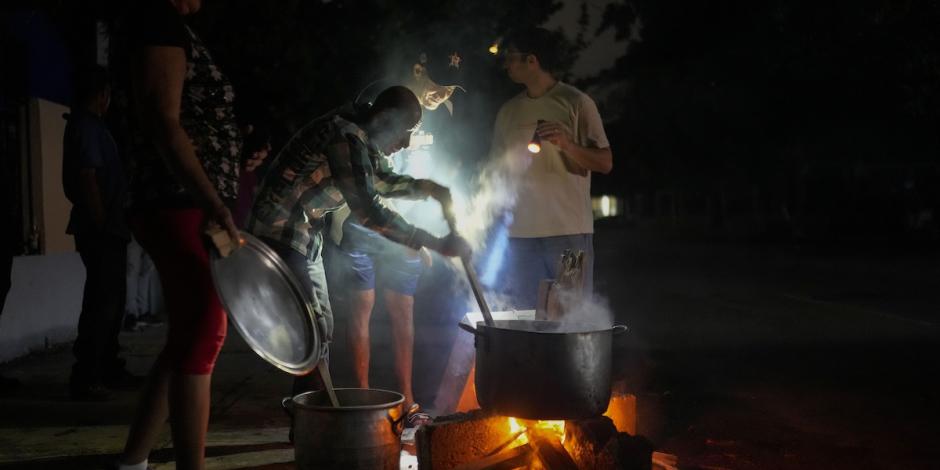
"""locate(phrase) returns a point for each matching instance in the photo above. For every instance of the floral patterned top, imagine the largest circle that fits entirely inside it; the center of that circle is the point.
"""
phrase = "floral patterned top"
(206, 114)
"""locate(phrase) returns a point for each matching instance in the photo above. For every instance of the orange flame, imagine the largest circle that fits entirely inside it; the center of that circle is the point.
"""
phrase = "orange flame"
(554, 427)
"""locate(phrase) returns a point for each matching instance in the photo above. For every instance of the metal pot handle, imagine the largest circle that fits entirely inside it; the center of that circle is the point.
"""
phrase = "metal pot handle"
(469, 329)
(398, 425)
(287, 404)
(618, 329)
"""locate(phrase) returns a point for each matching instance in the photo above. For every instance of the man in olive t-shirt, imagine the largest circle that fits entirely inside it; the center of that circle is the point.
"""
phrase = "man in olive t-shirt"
(552, 210)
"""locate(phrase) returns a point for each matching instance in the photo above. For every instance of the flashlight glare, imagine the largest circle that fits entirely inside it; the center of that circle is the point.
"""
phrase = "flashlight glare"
(494, 49)
(534, 147)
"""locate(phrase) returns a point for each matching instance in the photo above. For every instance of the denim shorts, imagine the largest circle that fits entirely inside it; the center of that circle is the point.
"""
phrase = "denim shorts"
(371, 261)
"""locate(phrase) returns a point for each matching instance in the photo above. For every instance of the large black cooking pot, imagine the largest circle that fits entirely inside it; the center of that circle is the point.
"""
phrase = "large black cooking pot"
(539, 369)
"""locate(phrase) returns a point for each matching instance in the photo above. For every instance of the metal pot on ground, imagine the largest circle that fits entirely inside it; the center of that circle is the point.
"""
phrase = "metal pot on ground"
(363, 433)
(538, 369)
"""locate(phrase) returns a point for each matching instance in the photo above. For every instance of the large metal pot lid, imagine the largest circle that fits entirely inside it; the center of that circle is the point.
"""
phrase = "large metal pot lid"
(268, 306)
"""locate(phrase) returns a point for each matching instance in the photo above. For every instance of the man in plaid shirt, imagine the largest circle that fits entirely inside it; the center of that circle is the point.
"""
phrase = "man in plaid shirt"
(335, 161)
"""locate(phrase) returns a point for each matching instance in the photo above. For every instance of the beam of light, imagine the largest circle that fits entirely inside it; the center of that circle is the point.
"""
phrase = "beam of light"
(494, 48)
(534, 147)
(497, 253)
(419, 164)
(605, 206)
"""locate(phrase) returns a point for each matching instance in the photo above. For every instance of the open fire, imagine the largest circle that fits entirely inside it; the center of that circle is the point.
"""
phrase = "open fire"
(519, 427)
(478, 440)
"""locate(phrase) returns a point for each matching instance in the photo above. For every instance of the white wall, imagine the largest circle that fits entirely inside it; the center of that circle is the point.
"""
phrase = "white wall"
(43, 305)
(46, 130)
(45, 300)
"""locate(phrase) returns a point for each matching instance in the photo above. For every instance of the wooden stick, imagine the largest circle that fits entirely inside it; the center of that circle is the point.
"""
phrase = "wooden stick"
(507, 443)
(507, 459)
(550, 451)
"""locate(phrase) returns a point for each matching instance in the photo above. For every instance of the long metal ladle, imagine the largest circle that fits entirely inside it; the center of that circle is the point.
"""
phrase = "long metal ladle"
(471, 273)
(477, 290)
(324, 368)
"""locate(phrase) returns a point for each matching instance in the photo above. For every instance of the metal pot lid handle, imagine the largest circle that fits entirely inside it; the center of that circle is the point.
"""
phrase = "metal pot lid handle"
(619, 329)
(398, 424)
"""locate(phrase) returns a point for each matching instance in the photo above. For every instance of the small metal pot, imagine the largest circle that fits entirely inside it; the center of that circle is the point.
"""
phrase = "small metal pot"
(536, 369)
(363, 433)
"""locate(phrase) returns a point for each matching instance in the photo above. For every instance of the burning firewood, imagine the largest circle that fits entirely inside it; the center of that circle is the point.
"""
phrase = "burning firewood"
(547, 447)
(595, 443)
(506, 460)
(664, 461)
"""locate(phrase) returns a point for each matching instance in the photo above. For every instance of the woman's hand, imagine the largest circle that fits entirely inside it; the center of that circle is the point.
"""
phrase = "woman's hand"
(220, 216)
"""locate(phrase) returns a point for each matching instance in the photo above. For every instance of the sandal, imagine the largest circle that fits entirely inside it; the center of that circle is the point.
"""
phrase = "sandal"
(415, 417)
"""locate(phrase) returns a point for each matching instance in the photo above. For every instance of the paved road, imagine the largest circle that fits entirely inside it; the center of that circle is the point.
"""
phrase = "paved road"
(768, 356)
(742, 356)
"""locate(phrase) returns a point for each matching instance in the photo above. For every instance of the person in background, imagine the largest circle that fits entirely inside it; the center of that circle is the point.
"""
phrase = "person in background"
(370, 261)
(186, 161)
(94, 181)
(552, 212)
(330, 163)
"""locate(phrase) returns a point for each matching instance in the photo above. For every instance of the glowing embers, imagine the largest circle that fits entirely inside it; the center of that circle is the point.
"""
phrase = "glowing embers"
(535, 145)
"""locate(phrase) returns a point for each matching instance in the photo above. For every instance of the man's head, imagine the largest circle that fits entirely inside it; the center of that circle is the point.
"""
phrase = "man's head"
(529, 52)
(93, 89)
(393, 117)
(186, 7)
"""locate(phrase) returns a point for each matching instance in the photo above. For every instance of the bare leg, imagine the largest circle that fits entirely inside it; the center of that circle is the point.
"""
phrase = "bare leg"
(401, 315)
(189, 417)
(357, 334)
(152, 412)
(185, 398)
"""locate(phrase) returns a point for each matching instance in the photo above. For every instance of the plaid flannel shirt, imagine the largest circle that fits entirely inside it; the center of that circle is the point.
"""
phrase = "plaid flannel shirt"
(328, 163)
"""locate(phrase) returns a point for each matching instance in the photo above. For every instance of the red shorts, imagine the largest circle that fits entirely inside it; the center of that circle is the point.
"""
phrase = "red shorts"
(195, 317)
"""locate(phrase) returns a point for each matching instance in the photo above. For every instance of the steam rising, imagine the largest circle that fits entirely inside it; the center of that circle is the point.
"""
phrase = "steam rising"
(482, 203)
